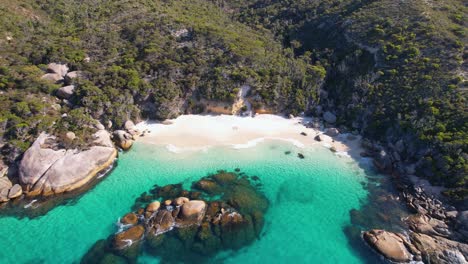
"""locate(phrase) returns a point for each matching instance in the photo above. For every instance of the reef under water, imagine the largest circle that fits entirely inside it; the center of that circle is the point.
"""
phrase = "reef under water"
(222, 211)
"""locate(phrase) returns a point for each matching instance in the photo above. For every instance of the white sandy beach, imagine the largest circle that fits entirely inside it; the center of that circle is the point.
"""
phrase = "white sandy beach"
(197, 132)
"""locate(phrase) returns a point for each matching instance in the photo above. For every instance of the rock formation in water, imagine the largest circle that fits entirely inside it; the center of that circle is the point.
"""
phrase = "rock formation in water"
(398, 247)
(47, 169)
(222, 211)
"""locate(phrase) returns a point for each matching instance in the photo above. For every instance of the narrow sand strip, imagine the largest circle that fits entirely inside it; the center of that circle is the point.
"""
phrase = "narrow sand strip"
(197, 132)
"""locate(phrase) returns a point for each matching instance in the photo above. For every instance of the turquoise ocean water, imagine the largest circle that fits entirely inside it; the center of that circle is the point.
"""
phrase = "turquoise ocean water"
(310, 203)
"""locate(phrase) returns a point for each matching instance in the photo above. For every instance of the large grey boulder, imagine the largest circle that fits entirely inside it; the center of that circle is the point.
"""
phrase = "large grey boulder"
(66, 92)
(60, 69)
(73, 75)
(103, 138)
(129, 125)
(329, 117)
(46, 171)
(52, 77)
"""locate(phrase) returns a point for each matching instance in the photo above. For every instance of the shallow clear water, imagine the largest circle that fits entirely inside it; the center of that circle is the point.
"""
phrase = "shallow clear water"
(310, 203)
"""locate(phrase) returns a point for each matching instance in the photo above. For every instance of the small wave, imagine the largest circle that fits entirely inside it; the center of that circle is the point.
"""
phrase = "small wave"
(30, 204)
(254, 142)
(175, 149)
(121, 227)
(249, 144)
(106, 171)
(343, 154)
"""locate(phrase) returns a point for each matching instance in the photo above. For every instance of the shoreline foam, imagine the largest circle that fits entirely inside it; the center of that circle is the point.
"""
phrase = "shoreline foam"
(201, 132)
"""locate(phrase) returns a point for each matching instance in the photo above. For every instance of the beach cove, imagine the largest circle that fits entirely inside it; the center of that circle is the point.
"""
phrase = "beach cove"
(310, 198)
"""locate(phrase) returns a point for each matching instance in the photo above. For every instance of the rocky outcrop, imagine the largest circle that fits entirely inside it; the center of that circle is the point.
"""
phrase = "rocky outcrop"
(15, 191)
(427, 225)
(153, 207)
(55, 72)
(436, 249)
(65, 92)
(192, 211)
(231, 217)
(47, 170)
(52, 77)
(8, 190)
(73, 75)
(128, 237)
(427, 241)
(391, 245)
(57, 68)
(123, 139)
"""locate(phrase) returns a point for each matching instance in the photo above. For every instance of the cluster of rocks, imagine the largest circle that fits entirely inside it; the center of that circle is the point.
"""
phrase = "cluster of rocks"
(436, 232)
(416, 246)
(124, 138)
(59, 73)
(222, 211)
(8, 190)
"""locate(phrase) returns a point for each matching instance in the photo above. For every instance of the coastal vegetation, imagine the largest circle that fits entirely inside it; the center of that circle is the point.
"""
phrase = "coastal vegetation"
(389, 70)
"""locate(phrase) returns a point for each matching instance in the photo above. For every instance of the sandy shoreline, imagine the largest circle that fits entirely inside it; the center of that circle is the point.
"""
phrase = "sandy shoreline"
(196, 132)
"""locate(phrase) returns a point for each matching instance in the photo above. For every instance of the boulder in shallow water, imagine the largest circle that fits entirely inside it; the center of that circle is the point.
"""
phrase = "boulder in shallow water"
(192, 211)
(129, 219)
(181, 200)
(153, 207)
(390, 245)
(126, 238)
(208, 186)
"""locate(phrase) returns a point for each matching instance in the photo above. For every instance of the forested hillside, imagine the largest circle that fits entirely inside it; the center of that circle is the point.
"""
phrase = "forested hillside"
(393, 70)
(139, 59)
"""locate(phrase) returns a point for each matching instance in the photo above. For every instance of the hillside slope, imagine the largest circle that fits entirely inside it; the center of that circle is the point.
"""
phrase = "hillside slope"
(395, 70)
(138, 59)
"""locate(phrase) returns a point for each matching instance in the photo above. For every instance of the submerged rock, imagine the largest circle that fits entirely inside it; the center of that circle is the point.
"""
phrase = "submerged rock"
(129, 219)
(128, 237)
